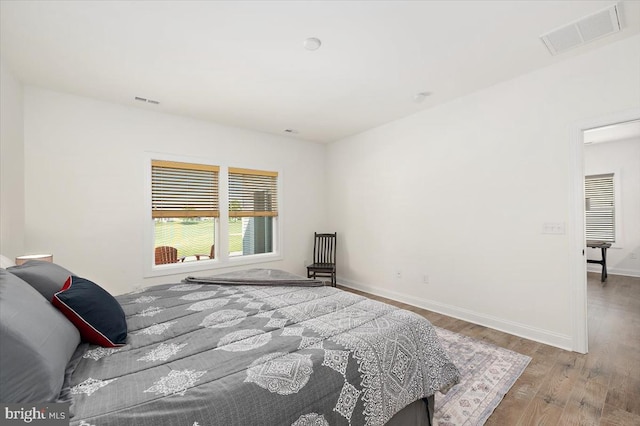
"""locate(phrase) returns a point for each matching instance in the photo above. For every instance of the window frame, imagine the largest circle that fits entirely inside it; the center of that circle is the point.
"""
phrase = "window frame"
(222, 259)
(253, 179)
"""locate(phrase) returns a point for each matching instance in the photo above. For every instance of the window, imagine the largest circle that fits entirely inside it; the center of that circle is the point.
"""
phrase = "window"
(185, 208)
(600, 207)
(209, 216)
(253, 210)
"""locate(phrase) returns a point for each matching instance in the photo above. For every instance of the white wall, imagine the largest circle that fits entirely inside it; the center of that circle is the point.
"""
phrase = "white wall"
(11, 165)
(623, 159)
(84, 177)
(460, 193)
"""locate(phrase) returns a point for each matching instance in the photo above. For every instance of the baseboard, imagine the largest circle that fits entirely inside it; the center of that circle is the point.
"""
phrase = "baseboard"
(615, 271)
(561, 341)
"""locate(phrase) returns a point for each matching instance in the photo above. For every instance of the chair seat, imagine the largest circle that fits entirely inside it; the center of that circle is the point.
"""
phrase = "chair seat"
(322, 266)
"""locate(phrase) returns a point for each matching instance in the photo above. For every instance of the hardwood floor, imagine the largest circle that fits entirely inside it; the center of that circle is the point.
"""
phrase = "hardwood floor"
(566, 388)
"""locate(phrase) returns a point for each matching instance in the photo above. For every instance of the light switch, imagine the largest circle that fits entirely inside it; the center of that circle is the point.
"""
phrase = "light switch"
(553, 228)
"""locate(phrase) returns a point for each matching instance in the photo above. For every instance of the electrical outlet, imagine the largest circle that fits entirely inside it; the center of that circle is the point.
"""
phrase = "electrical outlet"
(425, 279)
(633, 255)
(398, 274)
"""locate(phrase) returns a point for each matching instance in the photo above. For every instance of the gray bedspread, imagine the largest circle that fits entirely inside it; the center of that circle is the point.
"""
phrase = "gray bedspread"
(210, 354)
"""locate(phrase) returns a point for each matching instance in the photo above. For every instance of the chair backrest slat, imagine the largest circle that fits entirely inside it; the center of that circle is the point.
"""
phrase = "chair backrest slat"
(165, 254)
(324, 248)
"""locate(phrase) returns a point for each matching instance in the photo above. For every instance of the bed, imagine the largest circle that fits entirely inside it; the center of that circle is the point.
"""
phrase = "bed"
(259, 347)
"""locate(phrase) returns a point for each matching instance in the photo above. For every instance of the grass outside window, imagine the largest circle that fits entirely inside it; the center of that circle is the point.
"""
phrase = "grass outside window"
(194, 236)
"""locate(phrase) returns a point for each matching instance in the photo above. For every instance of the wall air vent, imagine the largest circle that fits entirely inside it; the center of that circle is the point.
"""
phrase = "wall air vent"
(582, 31)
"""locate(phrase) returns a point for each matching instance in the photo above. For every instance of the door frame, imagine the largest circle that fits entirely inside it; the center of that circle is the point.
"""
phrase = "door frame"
(577, 243)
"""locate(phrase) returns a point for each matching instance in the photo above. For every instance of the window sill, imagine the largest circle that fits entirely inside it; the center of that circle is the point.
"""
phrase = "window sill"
(207, 265)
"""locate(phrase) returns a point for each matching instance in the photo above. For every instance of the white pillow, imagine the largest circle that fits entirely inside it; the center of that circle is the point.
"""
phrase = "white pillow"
(5, 262)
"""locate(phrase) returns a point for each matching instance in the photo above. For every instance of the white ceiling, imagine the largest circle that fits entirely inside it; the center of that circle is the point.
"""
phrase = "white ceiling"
(242, 63)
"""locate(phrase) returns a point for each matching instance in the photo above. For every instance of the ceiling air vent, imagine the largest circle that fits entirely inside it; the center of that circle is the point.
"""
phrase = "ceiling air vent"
(589, 28)
(151, 101)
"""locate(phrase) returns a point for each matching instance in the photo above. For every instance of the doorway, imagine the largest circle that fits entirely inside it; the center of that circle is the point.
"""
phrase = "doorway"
(577, 228)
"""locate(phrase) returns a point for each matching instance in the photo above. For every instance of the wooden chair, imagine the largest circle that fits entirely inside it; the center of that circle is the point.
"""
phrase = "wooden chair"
(166, 254)
(324, 257)
(211, 255)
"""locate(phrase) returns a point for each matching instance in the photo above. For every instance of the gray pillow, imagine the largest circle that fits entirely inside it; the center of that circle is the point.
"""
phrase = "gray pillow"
(36, 343)
(46, 277)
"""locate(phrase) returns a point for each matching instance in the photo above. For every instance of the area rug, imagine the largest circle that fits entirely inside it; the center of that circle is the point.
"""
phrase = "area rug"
(487, 373)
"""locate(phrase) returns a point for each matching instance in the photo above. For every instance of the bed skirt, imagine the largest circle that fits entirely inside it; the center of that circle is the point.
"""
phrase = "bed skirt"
(419, 413)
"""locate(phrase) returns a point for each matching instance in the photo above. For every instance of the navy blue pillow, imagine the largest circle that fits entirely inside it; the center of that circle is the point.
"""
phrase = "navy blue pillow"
(95, 313)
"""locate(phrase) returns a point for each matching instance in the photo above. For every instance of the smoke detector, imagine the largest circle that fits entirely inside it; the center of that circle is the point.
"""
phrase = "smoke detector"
(312, 43)
(602, 23)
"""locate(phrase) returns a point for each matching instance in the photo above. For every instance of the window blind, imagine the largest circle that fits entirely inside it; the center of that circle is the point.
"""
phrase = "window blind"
(252, 193)
(600, 207)
(184, 190)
